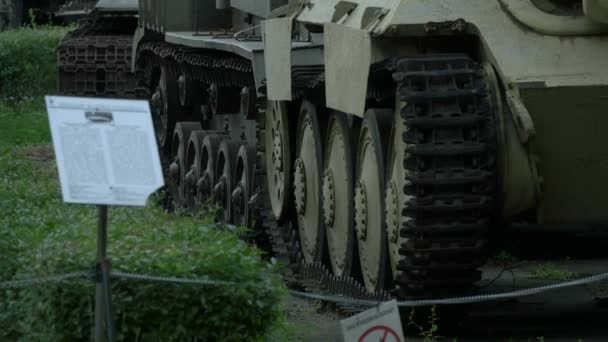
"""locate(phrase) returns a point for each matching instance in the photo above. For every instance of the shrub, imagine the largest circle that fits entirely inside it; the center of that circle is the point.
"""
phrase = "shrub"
(148, 311)
(39, 235)
(27, 61)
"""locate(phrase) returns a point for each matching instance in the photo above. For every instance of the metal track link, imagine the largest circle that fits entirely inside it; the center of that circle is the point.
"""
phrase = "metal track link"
(450, 145)
(98, 66)
(208, 67)
(95, 59)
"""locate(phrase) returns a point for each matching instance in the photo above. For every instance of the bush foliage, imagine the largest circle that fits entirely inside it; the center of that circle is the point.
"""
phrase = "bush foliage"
(39, 235)
(27, 61)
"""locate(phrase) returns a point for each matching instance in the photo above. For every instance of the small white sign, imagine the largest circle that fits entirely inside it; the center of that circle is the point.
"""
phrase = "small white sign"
(381, 323)
(105, 149)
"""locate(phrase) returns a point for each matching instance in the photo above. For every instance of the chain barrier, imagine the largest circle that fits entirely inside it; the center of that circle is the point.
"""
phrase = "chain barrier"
(173, 280)
(14, 284)
(315, 296)
(460, 300)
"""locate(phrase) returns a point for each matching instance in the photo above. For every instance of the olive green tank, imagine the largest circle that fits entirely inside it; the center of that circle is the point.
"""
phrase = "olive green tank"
(377, 144)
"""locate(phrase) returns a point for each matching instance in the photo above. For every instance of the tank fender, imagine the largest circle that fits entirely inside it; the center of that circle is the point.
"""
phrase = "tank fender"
(277, 57)
(521, 117)
(521, 182)
(348, 56)
(137, 37)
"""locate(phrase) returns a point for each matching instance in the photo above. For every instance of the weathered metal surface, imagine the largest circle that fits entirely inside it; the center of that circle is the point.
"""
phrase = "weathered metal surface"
(183, 15)
(277, 57)
(518, 53)
(347, 72)
(570, 147)
(260, 8)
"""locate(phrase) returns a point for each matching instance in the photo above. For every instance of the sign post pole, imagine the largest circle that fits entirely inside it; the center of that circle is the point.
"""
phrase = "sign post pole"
(103, 296)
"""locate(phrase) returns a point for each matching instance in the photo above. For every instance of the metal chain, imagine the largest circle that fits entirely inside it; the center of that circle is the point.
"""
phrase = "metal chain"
(174, 280)
(13, 284)
(336, 299)
(461, 300)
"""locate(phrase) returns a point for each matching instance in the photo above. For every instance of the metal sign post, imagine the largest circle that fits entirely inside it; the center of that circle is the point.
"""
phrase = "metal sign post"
(103, 291)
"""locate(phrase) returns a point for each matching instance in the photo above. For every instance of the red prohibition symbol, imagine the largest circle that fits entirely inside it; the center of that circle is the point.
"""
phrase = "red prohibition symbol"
(384, 330)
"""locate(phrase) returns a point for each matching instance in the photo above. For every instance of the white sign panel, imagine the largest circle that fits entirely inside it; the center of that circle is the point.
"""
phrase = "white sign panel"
(106, 150)
(381, 323)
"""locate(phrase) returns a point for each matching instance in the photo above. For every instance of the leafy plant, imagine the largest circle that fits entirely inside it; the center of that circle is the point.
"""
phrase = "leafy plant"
(27, 62)
(39, 235)
(428, 330)
(551, 271)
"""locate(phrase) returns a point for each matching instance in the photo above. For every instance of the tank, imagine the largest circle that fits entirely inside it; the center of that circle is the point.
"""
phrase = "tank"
(95, 59)
(376, 145)
(6, 14)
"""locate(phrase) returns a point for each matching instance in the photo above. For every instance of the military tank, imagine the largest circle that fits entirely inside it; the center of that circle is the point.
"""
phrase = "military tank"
(378, 143)
(95, 59)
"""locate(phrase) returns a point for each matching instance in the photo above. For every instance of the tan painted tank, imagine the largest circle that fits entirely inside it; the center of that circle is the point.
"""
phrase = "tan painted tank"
(379, 142)
(499, 112)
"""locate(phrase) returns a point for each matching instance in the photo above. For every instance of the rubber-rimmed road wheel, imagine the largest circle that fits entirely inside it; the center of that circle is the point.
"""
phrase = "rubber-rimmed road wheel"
(338, 194)
(278, 157)
(308, 175)
(178, 168)
(369, 199)
(243, 185)
(226, 159)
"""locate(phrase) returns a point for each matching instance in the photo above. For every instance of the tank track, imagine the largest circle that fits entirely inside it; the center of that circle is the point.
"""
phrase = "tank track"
(450, 161)
(95, 59)
(453, 196)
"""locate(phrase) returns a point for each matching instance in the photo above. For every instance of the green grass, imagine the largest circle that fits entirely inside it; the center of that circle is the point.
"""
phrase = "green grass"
(26, 123)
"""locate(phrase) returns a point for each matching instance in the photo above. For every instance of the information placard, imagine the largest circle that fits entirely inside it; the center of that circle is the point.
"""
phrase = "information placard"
(106, 150)
(382, 323)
